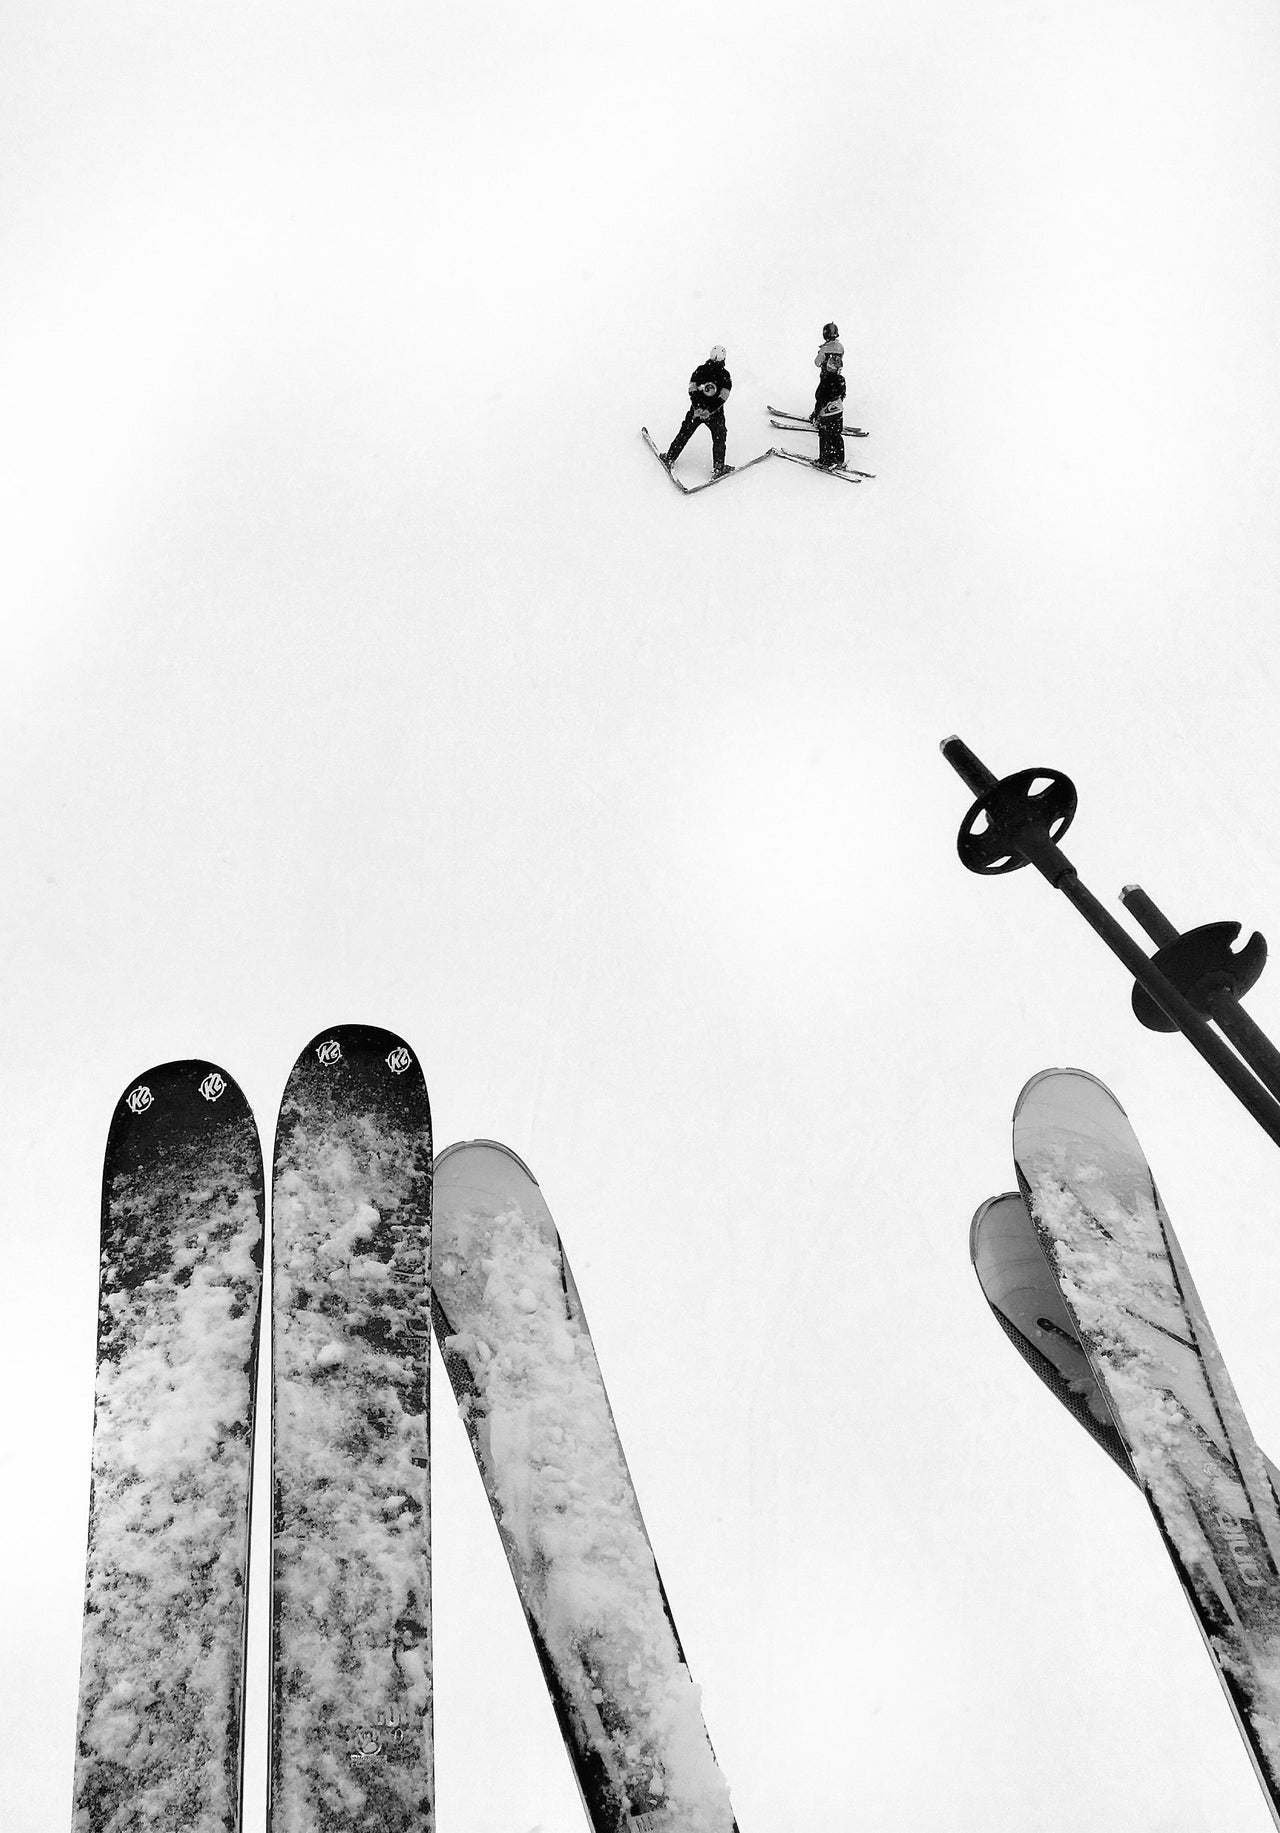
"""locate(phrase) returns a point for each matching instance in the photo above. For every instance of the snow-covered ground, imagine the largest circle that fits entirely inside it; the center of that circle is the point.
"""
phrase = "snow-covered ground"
(360, 664)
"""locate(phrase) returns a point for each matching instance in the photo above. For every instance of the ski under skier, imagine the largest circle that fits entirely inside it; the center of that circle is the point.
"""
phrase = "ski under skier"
(709, 387)
(828, 409)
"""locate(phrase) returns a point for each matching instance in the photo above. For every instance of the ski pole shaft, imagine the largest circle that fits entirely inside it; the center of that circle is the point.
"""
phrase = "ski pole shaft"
(1224, 1007)
(969, 768)
(1149, 915)
(1035, 848)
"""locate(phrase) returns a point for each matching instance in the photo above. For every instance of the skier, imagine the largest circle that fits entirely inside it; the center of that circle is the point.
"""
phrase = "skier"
(828, 410)
(709, 387)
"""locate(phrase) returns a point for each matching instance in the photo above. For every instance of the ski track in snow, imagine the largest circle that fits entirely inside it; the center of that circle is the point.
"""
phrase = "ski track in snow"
(569, 1519)
(351, 1558)
(1107, 1244)
(158, 1738)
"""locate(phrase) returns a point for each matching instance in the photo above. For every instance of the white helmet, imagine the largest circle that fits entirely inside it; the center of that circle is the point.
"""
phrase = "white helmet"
(717, 353)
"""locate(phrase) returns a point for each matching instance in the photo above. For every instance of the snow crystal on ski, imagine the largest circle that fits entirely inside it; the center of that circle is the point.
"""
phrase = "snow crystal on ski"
(565, 1506)
(351, 1555)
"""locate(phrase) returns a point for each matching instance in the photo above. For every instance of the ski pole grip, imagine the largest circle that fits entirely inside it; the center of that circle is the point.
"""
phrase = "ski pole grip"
(968, 768)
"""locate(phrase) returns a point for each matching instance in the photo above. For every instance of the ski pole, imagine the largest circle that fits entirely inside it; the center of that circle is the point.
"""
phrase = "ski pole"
(1017, 821)
(1201, 962)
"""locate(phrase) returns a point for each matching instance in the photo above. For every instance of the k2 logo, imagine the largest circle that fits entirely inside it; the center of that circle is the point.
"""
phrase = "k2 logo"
(140, 1099)
(213, 1086)
(399, 1060)
(329, 1052)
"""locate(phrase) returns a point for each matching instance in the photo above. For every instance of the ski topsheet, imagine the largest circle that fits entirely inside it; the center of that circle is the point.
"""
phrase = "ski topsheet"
(1136, 1314)
(1023, 1294)
(159, 1735)
(351, 1723)
(523, 1368)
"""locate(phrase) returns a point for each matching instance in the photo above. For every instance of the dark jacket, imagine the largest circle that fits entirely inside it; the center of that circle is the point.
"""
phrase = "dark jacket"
(715, 396)
(828, 399)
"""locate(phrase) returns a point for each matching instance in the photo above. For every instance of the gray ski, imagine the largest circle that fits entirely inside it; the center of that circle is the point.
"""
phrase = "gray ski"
(1018, 1284)
(521, 1361)
(1152, 1359)
(160, 1728)
(351, 1690)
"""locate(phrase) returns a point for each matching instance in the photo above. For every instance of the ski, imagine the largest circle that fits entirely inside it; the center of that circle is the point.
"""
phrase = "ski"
(1025, 1300)
(1133, 1309)
(810, 426)
(350, 1742)
(796, 422)
(159, 1737)
(693, 489)
(845, 471)
(1024, 1297)
(523, 1368)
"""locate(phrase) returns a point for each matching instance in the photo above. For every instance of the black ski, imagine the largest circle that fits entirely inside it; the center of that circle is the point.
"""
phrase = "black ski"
(797, 422)
(351, 1691)
(693, 489)
(520, 1358)
(160, 1729)
(844, 471)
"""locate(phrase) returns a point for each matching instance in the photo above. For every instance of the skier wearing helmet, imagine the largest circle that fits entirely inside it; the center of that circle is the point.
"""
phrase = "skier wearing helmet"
(828, 412)
(830, 346)
(709, 387)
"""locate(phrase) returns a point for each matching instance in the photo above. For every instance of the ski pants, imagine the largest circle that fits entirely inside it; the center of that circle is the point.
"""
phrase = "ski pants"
(831, 438)
(689, 426)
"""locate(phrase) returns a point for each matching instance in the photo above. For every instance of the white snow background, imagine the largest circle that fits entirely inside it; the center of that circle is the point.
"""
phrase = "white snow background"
(360, 664)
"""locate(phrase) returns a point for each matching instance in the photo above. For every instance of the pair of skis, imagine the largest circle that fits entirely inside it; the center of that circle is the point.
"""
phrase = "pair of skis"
(795, 425)
(719, 478)
(160, 1732)
(799, 423)
(1084, 1272)
(805, 423)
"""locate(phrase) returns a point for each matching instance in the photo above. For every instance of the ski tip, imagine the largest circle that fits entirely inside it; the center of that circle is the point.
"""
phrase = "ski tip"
(181, 1074)
(1063, 1074)
(981, 1216)
(378, 1062)
(492, 1145)
(185, 1097)
(342, 1042)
